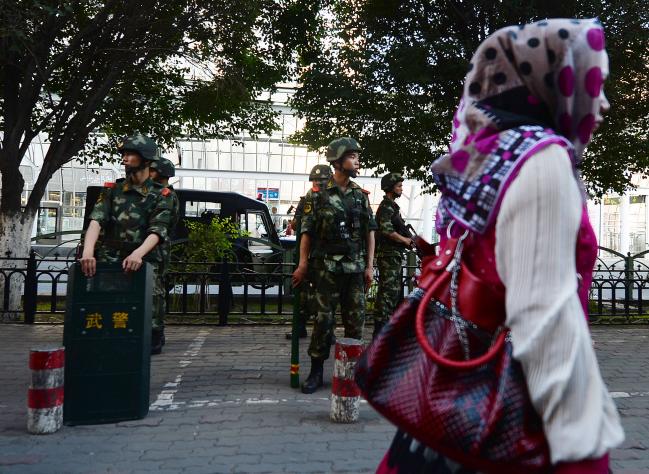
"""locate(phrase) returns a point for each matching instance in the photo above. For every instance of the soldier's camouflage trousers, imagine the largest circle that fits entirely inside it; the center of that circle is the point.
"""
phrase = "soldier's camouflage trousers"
(333, 289)
(159, 300)
(308, 304)
(388, 294)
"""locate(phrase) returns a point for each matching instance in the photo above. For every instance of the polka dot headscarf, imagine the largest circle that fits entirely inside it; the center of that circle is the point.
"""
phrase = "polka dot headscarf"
(528, 86)
(549, 73)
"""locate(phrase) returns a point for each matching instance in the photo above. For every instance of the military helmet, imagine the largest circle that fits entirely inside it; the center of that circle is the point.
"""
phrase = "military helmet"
(338, 147)
(389, 180)
(140, 144)
(164, 167)
(320, 172)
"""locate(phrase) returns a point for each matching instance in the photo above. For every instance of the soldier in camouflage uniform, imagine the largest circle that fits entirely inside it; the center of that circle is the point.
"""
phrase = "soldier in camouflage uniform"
(393, 239)
(338, 233)
(131, 218)
(160, 172)
(319, 176)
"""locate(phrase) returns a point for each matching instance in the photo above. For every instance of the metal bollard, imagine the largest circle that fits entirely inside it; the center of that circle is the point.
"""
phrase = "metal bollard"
(345, 394)
(45, 395)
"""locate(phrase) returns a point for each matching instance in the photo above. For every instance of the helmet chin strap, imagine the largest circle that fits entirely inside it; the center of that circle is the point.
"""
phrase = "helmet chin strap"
(352, 173)
(130, 170)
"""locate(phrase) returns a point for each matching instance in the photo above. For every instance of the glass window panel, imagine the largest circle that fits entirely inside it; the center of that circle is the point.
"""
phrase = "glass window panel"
(47, 217)
(638, 224)
(236, 185)
(287, 162)
(202, 209)
(199, 183)
(237, 158)
(611, 223)
(250, 163)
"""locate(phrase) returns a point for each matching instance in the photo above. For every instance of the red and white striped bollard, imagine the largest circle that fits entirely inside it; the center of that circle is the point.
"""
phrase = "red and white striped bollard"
(45, 395)
(345, 394)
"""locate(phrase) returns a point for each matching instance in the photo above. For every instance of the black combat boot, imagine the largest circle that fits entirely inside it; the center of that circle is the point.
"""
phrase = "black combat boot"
(156, 341)
(314, 381)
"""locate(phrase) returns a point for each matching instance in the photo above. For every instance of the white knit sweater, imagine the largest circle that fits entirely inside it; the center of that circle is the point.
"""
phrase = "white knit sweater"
(536, 235)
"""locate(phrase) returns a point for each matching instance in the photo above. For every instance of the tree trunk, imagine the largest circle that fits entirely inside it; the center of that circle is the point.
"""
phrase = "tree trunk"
(15, 233)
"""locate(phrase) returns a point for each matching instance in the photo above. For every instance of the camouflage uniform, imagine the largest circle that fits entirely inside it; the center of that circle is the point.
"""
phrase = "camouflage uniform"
(166, 255)
(319, 175)
(338, 224)
(166, 169)
(306, 295)
(127, 214)
(389, 258)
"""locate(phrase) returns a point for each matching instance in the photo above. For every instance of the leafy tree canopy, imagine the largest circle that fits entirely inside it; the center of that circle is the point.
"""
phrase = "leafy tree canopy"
(166, 68)
(390, 73)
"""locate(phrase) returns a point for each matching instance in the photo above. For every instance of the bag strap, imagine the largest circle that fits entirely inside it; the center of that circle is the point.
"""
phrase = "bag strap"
(451, 272)
(449, 363)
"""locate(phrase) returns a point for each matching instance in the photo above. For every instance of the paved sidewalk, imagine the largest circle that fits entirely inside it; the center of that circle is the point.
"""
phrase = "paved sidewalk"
(221, 402)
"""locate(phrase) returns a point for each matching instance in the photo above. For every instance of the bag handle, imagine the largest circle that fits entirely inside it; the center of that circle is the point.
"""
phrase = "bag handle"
(449, 363)
(428, 349)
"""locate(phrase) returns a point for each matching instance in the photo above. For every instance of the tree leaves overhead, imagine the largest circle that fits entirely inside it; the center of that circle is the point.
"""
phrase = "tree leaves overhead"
(166, 68)
(390, 73)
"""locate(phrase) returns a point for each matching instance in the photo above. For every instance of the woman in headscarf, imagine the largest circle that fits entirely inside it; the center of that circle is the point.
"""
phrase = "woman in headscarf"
(533, 96)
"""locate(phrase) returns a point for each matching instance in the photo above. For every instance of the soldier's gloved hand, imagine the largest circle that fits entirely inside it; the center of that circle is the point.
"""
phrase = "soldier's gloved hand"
(132, 263)
(88, 265)
(299, 275)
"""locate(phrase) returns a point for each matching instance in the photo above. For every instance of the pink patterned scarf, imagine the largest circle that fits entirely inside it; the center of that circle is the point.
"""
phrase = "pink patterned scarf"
(524, 83)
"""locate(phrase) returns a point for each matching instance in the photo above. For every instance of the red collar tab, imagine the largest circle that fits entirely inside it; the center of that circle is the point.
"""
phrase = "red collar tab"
(365, 191)
(109, 184)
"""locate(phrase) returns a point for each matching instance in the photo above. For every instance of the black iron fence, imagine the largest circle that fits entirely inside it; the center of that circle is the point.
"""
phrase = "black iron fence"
(34, 289)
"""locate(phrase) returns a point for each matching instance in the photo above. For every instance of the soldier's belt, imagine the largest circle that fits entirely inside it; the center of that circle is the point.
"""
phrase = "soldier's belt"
(341, 248)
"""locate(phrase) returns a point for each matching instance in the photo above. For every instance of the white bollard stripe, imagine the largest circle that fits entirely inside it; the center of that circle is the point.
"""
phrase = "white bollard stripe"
(345, 409)
(50, 378)
(344, 369)
(44, 420)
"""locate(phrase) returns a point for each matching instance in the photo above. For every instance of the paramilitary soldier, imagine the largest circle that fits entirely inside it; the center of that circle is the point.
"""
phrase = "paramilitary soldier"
(160, 172)
(338, 231)
(131, 217)
(319, 176)
(393, 239)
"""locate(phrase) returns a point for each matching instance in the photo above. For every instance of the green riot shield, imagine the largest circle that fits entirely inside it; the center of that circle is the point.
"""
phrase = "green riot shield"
(107, 339)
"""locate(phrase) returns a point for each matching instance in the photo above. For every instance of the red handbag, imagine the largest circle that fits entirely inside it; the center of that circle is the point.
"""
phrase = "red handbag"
(442, 370)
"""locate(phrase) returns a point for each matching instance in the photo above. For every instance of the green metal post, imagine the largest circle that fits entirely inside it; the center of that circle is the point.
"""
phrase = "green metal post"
(295, 326)
(295, 340)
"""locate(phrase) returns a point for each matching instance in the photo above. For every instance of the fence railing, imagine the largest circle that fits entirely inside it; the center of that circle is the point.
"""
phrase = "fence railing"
(34, 290)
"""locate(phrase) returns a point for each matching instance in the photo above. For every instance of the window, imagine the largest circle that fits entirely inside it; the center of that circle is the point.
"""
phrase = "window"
(47, 217)
(198, 209)
(254, 224)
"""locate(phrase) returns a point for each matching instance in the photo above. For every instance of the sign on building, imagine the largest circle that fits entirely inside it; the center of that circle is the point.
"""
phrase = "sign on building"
(268, 194)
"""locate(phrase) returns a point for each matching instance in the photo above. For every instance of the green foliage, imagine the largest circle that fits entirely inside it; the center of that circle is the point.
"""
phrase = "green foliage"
(390, 73)
(86, 70)
(210, 242)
